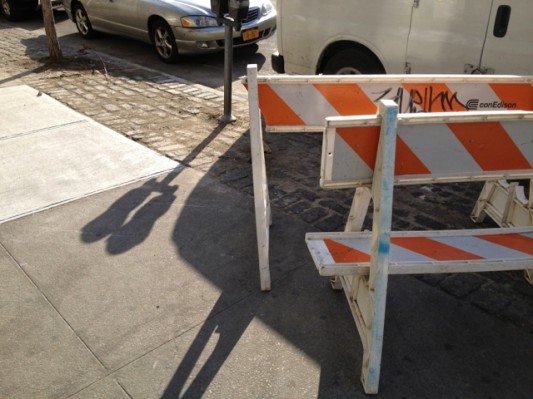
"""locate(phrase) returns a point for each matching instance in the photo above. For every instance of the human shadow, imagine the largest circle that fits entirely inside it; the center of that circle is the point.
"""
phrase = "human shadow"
(224, 253)
(123, 234)
(129, 220)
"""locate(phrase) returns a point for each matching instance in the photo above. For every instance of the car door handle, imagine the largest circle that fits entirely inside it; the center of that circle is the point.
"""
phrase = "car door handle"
(502, 21)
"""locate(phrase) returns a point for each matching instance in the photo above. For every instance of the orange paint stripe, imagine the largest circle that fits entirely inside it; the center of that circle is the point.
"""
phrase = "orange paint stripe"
(407, 163)
(520, 94)
(343, 254)
(434, 97)
(433, 249)
(275, 110)
(347, 98)
(517, 242)
(490, 145)
(364, 141)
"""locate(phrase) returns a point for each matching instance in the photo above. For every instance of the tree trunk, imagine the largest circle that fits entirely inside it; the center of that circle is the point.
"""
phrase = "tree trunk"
(50, 28)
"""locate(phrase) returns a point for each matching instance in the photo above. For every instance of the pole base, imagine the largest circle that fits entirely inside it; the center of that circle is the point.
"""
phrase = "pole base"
(227, 118)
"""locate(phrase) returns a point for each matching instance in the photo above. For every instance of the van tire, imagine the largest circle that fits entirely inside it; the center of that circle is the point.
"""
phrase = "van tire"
(352, 62)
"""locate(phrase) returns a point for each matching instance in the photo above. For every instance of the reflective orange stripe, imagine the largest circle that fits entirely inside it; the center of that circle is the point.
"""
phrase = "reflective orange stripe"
(433, 249)
(407, 163)
(343, 254)
(347, 98)
(517, 242)
(490, 146)
(363, 140)
(274, 109)
(519, 94)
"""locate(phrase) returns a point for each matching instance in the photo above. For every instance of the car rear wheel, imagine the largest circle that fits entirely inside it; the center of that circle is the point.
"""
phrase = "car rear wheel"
(83, 24)
(352, 62)
(164, 42)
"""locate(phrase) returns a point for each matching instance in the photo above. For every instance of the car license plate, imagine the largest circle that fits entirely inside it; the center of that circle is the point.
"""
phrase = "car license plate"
(250, 34)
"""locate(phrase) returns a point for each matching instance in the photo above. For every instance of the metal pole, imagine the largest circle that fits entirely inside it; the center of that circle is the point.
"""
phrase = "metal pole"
(228, 71)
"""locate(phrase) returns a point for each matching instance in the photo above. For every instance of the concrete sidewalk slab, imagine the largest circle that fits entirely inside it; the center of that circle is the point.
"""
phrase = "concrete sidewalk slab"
(300, 342)
(69, 158)
(23, 109)
(40, 355)
(133, 267)
(107, 388)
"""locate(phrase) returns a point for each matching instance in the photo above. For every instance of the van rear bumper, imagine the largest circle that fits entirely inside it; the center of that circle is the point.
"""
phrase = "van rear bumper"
(278, 63)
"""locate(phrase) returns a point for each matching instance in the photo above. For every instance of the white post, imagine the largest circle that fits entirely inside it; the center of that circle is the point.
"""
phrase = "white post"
(261, 199)
(382, 193)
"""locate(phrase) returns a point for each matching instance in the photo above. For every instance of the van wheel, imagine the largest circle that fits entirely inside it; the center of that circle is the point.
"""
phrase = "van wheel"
(164, 41)
(352, 62)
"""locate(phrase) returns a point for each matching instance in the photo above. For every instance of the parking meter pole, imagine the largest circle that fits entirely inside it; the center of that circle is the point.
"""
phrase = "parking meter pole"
(228, 72)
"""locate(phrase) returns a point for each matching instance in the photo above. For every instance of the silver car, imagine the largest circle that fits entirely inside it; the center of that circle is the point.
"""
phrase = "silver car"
(172, 26)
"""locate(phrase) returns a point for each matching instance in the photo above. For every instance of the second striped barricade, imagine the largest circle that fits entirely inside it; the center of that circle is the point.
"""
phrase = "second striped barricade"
(300, 104)
(375, 153)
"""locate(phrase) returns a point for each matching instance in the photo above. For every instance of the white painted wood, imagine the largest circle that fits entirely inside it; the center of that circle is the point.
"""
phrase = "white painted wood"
(392, 78)
(359, 209)
(431, 118)
(382, 192)
(261, 197)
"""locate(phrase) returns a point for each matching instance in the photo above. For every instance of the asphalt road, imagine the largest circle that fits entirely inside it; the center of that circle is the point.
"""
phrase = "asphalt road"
(204, 69)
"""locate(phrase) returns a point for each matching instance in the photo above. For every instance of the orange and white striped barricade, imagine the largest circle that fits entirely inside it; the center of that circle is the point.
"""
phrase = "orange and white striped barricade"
(378, 152)
(300, 104)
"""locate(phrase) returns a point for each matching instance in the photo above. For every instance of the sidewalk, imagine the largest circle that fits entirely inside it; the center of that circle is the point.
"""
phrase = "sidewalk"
(151, 289)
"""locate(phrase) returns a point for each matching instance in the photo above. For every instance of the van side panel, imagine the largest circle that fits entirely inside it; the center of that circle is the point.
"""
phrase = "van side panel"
(447, 35)
(309, 26)
(512, 53)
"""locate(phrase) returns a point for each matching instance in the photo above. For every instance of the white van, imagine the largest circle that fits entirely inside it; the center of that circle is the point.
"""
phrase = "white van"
(404, 36)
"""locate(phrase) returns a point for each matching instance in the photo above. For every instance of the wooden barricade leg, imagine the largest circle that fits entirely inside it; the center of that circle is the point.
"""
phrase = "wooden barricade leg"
(478, 213)
(356, 218)
(367, 294)
(263, 215)
(505, 203)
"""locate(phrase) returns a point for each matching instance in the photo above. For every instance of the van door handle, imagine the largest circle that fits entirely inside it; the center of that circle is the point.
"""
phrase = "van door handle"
(502, 21)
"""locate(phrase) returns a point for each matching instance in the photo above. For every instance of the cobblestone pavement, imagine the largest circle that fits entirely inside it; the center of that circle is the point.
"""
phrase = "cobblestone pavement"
(179, 119)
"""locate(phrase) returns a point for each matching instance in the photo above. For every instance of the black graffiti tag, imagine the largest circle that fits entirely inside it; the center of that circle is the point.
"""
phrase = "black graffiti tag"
(422, 101)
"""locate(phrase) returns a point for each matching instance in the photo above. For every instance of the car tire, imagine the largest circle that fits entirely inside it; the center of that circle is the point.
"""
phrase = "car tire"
(352, 62)
(164, 41)
(82, 21)
(14, 12)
